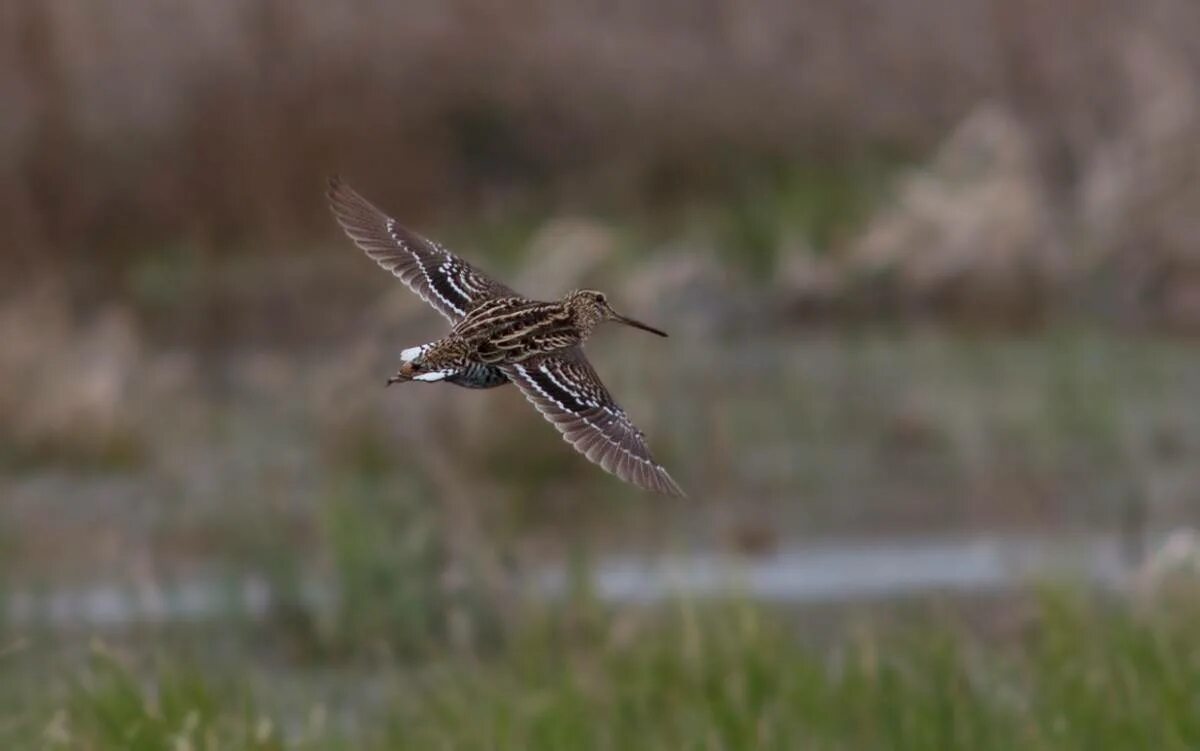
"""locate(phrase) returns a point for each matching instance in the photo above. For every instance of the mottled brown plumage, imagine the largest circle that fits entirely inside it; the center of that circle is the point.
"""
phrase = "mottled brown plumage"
(498, 336)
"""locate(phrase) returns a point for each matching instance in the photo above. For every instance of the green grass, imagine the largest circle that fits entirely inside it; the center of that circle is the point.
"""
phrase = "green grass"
(1077, 675)
(115, 448)
(780, 203)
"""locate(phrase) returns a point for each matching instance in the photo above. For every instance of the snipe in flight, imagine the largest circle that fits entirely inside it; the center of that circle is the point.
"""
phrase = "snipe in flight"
(498, 336)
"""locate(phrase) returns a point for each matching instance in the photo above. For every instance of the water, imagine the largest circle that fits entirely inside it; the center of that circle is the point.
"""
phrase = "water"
(855, 571)
(799, 575)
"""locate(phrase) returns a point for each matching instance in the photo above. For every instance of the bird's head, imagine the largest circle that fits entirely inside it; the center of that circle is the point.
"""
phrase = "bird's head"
(591, 308)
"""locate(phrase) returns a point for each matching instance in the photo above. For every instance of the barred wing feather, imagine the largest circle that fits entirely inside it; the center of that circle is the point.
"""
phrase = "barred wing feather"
(442, 279)
(566, 390)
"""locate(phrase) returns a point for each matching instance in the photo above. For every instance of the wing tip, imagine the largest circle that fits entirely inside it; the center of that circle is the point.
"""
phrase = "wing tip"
(358, 217)
(666, 485)
(652, 477)
(336, 188)
(340, 195)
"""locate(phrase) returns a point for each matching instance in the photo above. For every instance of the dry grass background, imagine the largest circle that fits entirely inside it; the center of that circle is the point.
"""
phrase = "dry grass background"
(136, 125)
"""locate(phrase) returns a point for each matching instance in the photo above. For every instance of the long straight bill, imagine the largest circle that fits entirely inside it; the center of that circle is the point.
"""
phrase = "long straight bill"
(638, 325)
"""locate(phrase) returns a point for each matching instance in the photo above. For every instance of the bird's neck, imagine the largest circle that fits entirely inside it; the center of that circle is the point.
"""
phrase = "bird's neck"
(581, 319)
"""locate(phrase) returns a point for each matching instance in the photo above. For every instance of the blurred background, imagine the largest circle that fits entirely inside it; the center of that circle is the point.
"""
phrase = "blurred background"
(931, 271)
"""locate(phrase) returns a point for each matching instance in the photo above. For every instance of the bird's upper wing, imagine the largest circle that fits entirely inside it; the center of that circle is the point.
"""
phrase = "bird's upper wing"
(565, 388)
(442, 279)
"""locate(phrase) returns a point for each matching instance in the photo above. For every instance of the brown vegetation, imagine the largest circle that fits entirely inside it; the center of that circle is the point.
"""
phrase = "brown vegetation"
(135, 125)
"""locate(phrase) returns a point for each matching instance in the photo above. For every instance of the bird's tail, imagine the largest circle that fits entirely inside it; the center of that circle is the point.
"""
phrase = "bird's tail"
(414, 368)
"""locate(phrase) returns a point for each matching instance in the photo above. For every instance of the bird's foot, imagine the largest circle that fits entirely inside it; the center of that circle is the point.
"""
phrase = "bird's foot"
(407, 372)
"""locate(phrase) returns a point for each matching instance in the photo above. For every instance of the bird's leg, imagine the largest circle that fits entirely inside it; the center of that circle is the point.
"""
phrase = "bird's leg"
(406, 373)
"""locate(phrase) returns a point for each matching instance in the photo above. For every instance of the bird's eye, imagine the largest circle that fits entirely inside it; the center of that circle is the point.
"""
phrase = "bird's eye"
(600, 298)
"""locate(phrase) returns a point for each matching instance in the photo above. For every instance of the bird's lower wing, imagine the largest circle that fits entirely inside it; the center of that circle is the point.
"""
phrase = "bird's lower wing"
(567, 391)
(442, 279)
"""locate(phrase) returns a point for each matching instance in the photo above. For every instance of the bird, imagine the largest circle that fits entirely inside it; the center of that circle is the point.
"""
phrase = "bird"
(498, 336)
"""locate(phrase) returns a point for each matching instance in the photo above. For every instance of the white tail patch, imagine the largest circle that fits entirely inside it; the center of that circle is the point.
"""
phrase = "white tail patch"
(433, 375)
(412, 353)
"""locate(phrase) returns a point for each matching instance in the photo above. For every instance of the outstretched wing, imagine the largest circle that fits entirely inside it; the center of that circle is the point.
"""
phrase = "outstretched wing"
(442, 279)
(565, 388)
